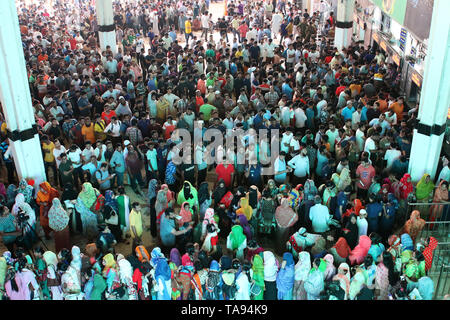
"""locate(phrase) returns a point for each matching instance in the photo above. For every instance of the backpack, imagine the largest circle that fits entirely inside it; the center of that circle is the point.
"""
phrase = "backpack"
(229, 287)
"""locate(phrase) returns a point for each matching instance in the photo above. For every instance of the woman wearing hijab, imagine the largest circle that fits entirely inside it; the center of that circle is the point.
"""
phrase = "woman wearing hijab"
(126, 277)
(99, 288)
(388, 217)
(44, 200)
(204, 198)
(237, 241)
(185, 273)
(341, 250)
(242, 221)
(175, 256)
(424, 192)
(405, 186)
(344, 179)
(59, 222)
(111, 215)
(272, 189)
(351, 231)
(257, 277)
(213, 285)
(301, 240)
(164, 199)
(89, 196)
(343, 276)
(21, 205)
(270, 276)
(414, 225)
(243, 282)
(208, 219)
(314, 284)
(188, 194)
(219, 192)
(185, 214)
(302, 269)
(25, 189)
(11, 193)
(285, 218)
(331, 269)
(71, 279)
(267, 221)
(111, 274)
(151, 195)
(87, 218)
(440, 195)
(360, 251)
(53, 283)
(386, 276)
(357, 284)
(286, 277)
(245, 209)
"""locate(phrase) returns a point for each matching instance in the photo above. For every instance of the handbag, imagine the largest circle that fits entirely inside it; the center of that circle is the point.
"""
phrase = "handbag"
(255, 289)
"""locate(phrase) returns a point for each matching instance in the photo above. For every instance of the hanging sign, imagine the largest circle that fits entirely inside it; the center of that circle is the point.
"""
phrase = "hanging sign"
(402, 40)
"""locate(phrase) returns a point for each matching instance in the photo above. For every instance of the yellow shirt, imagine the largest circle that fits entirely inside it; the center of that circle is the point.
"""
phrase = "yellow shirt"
(187, 26)
(136, 222)
(48, 157)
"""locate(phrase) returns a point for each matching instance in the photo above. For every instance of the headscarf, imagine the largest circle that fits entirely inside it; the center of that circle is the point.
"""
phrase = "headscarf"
(243, 222)
(109, 261)
(125, 271)
(407, 242)
(360, 252)
(186, 260)
(245, 209)
(423, 188)
(203, 192)
(376, 250)
(219, 192)
(270, 266)
(49, 195)
(110, 201)
(286, 276)
(88, 196)
(156, 254)
(406, 187)
(258, 270)
(175, 256)
(99, 287)
(314, 284)
(352, 235)
(50, 259)
(186, 215)
(342, 248)
(310, 190)
(303, 266)
(344, 279)
(284, 215)
(414, 225)
(425, 286)
(25, 189)
(237, 237)
(152, 189)
(331, 269)
(58, 219)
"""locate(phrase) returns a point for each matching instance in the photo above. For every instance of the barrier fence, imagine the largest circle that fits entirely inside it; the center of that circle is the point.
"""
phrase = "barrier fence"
(442, 284)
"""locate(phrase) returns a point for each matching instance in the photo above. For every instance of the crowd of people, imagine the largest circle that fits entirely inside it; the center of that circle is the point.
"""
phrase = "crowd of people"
(333, 214)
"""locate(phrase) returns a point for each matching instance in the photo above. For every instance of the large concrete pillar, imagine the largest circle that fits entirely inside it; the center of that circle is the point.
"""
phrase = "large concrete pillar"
(106, 25)
(435, 96)
(16, 98)
(344, 24)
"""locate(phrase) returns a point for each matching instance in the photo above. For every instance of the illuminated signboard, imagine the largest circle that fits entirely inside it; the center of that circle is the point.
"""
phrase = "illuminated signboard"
(376, 37)
(417, 79)
(402, 40)
(383, 46)
(396, 59)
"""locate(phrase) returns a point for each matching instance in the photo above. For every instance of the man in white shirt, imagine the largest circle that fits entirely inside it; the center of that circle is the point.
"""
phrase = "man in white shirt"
(57, 151)
(88, 152)
(300, 117)
(391, 154)
(319, 216)
(290, 57)
(286, 140)
(205, 25)
(360, 139)
(300, 164)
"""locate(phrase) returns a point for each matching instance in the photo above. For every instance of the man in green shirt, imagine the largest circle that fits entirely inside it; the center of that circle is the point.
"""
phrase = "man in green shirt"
(206, 109)
(66, 170)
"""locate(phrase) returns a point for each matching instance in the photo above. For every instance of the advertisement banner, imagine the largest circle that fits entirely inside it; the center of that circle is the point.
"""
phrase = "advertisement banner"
(394, 8)
(418, 17)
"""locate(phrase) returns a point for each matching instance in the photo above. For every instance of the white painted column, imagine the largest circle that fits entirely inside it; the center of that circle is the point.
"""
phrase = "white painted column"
(435, 96)
(344, 24)
(16, 98)
(105, 21)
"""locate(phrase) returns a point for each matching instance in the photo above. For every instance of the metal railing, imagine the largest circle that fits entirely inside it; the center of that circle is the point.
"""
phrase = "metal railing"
(442, 285)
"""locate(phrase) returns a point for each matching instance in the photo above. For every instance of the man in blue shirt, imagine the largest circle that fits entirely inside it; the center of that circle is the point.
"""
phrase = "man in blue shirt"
(347, 112)
(342, 200)
(103, 177)
(280, 168)
(374, 211)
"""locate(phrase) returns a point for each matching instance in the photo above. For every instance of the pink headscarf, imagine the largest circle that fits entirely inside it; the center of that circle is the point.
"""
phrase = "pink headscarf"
(360, 252)
(186, 260)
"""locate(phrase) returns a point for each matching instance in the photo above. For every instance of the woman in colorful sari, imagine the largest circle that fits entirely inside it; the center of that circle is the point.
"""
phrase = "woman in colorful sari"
(414, 225)
(111, 274)
(237, 241)
(270, 276)
(424, 192)
(185, 273)
(286, 277)
(257, 276)
(405, 186)
(440, 195)
(44, 200)
(59, 222)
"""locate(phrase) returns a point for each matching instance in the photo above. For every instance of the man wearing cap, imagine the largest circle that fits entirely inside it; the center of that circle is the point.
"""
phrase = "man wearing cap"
(123, 107)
